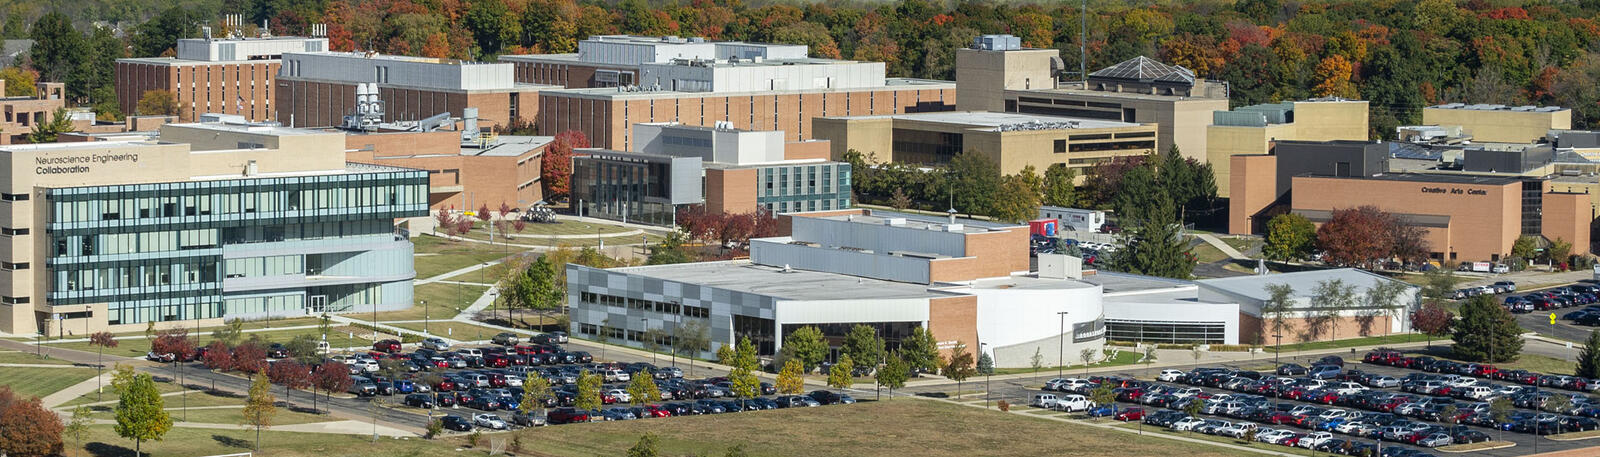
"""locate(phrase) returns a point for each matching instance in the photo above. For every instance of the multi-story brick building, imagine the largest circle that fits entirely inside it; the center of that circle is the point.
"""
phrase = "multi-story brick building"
(461, 176)
(615, 60)
(21, 113)
(319, 89)
(213, 75)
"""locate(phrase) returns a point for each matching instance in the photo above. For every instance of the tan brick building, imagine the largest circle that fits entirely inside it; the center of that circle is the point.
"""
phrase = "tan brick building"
(22, 113)
(1487, 123)
(1011, 140)
(1254, 129)
(463, 177)
(220, 75)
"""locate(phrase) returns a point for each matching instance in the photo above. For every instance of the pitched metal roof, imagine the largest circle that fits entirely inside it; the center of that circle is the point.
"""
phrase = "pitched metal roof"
(1146, 69)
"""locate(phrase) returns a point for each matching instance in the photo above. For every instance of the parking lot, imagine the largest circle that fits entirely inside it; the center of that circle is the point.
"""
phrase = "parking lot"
(482, 385)
(1018, 391)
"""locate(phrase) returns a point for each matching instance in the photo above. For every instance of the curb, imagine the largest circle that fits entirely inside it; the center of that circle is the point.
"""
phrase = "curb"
(1503, 445)
(1592, 435)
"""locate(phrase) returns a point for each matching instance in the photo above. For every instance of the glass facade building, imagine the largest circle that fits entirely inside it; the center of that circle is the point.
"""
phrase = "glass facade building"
(820, 186)
(235, 248)
(632, 187)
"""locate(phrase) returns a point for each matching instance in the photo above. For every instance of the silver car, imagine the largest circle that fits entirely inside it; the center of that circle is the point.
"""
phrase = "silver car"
(1383, 382)
(1434, 440)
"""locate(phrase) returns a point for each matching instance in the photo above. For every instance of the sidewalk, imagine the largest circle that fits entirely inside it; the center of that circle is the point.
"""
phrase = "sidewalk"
(76, 390)
(1221, 246)
(344, 427)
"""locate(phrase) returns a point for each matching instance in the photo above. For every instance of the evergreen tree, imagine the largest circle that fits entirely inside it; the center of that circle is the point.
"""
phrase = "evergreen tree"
(58, 48)
(46, 132)
(140, 413)
(1486, 332)
(985, 364)
(1589, 357)
(1154, 245)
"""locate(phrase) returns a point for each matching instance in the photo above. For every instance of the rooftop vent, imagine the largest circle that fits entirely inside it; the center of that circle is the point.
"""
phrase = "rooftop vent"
(895, 221)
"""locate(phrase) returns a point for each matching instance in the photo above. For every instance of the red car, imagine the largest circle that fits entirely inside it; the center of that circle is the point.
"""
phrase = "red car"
(497, 380)
(657, 411)
(1281, 418)
(1382, 357)
(1130, 414)
(445, 385)
(497, 361)
(388, 346)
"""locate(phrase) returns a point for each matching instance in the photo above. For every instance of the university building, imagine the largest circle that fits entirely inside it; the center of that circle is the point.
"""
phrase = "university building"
(319, 89)
(229, 75)
(216, 220)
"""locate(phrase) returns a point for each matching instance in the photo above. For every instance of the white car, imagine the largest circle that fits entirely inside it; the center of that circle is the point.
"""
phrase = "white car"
(1074, 384)
(1349, 388)
(615, 375)
(1273, 436)
(622, 396)
(1169, 376)
(435, 343)
(1073, 403)
(1333, 414)
(1349, 427)
(1054, 383)
(1187, 392)
(1237, 429)
(1187, 424)
(1312, 440)
(1462, 382)
(490, 421)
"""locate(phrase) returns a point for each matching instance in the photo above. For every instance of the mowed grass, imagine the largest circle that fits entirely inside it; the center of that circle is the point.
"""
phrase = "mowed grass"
(103, 441)
(1354, 342)
(38, 382)
(30, 358)
(110, 395)
(442, 256)
(1124, 357)
(444, 301)
(922, 428)
(453, 330)
(229, 416)
(1206, 253)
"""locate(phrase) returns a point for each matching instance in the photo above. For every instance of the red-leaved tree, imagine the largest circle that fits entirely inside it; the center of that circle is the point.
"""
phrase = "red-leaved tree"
(101, 341)
(175, 342)
(483, 212)
(444, 220)
(1432, 320)
(1357, 237)
(218, 357)
(555, 169)
(289, 374)
(249, 358)
(26, 427)
(331, 377)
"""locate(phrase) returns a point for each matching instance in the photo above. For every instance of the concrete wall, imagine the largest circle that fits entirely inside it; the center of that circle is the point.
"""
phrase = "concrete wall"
(1017, 322)
(880, 238)
(983, 76)
(853, 263)
(1500, 126)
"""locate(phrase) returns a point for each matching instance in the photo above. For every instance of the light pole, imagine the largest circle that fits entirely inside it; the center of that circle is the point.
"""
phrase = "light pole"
(644, 325)
(1061, 346)
(424, 317)
(1278, 351)
(986, 375)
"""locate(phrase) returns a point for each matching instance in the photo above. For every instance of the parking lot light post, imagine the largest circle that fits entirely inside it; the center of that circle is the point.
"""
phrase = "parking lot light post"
(424, 317)
(644, 325)
(1061, 346)
(1277, 351)
(986, 376)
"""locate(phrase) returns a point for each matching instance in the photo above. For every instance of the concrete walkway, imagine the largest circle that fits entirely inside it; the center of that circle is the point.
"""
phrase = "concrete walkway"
(451, 274)
(76, 390)
(141, 337)
(1221, 246)
(344, 427)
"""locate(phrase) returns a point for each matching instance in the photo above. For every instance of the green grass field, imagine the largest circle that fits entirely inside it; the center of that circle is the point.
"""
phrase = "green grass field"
(920, 427)
(453, 330)
(1206, 253)
(444, 302)
(29, 358)
(1353, 342)
(1127, 356)
(174, 408)
(180, 441)
(138, 347)
(162, 387)
(39, 382)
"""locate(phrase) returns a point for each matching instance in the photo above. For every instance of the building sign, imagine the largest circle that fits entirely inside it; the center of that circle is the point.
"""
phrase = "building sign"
(1088, 331)
(79, 163)
(1454, 191)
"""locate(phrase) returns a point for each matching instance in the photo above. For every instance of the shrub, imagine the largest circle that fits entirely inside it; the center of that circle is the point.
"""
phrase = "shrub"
(434, 429)
(1004, 406)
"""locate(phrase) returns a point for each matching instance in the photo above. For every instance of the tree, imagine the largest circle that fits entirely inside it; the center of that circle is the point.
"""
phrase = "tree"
(217, 357)
(1589, 357)
(985, 364)
(1104, 395)
(27, 428)
(140, 413)
(555, 169)
(19, 82)
(979, 180)
(642, 389)
(1037, 361)
(57, 47)
(158, 35)
(536, 392)
(1384, 298)
(725, 355)
(899, 200)
(290, 374)
(1333, 78)
(863, 344)
(533, 287)
(1021, 199)
(1059, 189)
(258, 408)
(46, 132)
(331, 377)
(692, 339)
(77, 428)
(1500, 410)
(303, 348)
(742, 378)
(791, 379)
(1356, 236)
(646, 447)
(1153, 243)
(1087, 355)
(1289, 237)
(894, 373)
(1486, 332)
(157, 102)
(101, 340)
(669, 251)
(1329, 299)
(1559, 252)
(1525, 247)
(959, 366)
(588, 391)
(249, 358)
(806, 345)
(1439, 283)
(230, 333)
(1432, 320)
(1279, 303)
(920, 351)
(840, 376)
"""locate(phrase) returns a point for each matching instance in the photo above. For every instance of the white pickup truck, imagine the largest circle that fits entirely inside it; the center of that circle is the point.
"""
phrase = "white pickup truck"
(1072, 403)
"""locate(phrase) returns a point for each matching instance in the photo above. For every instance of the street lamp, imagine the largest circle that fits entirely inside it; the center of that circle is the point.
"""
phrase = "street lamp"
(986, 375)
(424, 317)
(1061, 346)
(644, 326)
(1277, 351)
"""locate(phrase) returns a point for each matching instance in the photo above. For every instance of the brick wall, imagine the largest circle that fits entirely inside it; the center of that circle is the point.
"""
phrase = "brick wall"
(953, 319)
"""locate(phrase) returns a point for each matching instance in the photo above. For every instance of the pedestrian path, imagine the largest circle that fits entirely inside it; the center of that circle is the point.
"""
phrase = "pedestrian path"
(1221, 246)
(76, 390)
(142, 337)
(344, 427)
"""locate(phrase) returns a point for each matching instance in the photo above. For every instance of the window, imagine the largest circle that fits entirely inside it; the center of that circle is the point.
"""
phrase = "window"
(13, 266)
(8, 231)
(14, 197)
(13, 300)
(1061, 146)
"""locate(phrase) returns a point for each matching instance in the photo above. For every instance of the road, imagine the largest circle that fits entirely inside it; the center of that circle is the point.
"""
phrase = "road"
(1019, 391)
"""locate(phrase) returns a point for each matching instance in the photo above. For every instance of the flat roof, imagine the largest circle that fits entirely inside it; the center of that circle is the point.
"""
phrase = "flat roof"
(618, 93)
(1029, 282)
(992, 119)
(1109, 94)
(752, 63)
(509, 146)
(748, 277)
(941, 219)
(177, 61)
(1429, 178)
(1303, 282)
(254, 128)
(922, 224)
(78, 145)
(1115, 283)
(1496, 107)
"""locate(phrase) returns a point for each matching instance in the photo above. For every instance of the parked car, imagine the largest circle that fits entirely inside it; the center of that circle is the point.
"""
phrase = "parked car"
(423, 401)
(489, 421)
(435, 343)
(387, 346)
(828, 397)
(1435, 439)
(505, 339)
(456, 423)
(566, 416)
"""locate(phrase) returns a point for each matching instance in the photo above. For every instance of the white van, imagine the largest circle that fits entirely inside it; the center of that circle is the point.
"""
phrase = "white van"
(470, 352)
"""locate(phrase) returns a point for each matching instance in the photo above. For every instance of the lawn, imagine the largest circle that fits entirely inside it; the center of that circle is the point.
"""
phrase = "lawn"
(229, 416)
(1355, 342)
(1206, 253)
(103, 441)
(444, 302)
(162, 387)
(453, 330)
(923, 428)
(138, 347)
(1531, 362)
(29, 358)
(428, 266)
(1243, 245)
(1126, 357)
(39, 382)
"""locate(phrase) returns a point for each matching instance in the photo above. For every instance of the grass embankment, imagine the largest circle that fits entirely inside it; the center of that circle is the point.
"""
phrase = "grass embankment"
(29, 358)
(1127, 357)
(139, 347)
(39, 382)
(1397, 338)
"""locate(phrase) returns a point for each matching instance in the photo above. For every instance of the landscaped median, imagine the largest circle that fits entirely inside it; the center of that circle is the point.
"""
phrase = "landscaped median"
(1479, 446)
(1574, 436)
